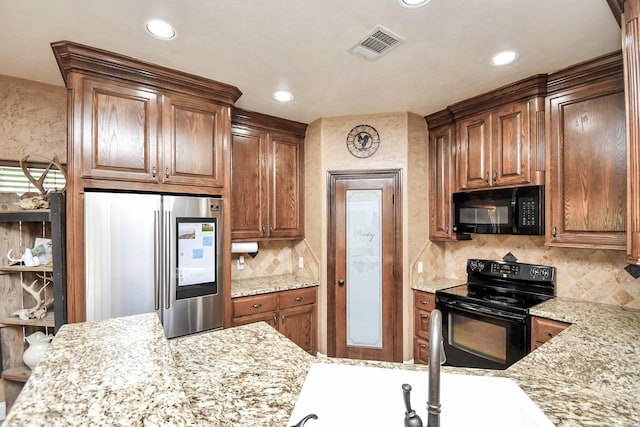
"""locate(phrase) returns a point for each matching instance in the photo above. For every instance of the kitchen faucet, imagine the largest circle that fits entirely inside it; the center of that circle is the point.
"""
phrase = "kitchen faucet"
(436, 357)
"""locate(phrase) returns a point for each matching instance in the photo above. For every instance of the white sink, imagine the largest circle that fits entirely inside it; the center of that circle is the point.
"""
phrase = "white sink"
(342, 395)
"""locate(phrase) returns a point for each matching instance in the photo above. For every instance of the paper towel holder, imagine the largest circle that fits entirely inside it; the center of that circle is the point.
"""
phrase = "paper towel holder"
(250, 248)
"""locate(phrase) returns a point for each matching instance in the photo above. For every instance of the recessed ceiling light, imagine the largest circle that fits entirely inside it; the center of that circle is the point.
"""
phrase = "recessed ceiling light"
(413, 3)
(161, 29)
(504, 58)
(282, 96)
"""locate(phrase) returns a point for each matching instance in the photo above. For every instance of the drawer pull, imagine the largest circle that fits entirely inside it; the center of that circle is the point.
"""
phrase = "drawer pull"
(424, 316)
(424, 302)
(422, 345)
(551, 334)
(298, 299)
(256, 306)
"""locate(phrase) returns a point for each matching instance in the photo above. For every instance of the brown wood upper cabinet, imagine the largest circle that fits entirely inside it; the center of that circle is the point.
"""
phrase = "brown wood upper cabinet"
(441, 176)
(586, 191)
(123, 141)
(267, 177)
(496, 146)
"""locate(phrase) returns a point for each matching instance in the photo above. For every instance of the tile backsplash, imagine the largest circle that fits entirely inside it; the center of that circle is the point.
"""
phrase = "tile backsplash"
(275, 258)
(593, 275)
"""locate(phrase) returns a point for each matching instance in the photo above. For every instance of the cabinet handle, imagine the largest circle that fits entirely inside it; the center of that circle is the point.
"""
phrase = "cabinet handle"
(423, 302)
(487, 177)
(275, 319)
(422, 346)
(282, 318)
(264, 230)
(446, 229)
(270, 228)
(554, 232)
(424, 316)
(166, 173)
(299, 299)
(551, 334)
(153, 171)
(495, 176)
(256, 306)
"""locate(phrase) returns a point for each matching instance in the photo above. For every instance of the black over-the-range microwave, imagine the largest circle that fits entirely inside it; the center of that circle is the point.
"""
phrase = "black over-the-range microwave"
(517, 210)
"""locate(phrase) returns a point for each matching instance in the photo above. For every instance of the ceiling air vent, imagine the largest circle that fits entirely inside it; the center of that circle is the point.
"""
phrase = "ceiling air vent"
(378, 42)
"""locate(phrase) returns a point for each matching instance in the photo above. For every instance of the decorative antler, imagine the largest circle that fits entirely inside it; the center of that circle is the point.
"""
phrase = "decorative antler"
(39, 183)
(40, 309)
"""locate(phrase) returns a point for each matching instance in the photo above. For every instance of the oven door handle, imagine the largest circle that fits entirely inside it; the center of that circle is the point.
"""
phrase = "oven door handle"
(474, 308)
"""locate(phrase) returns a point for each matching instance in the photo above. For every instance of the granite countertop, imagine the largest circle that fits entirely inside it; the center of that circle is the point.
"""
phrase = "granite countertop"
(116, 372)
(435, 285)
(123, 371)
(264, 285)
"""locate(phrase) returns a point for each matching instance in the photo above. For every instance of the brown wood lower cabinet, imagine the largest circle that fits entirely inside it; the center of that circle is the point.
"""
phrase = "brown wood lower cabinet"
(423, 304)
(542, 330)
(293, 313)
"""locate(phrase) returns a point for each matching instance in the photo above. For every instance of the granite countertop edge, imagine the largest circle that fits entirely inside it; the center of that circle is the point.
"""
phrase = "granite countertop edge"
(267, 284)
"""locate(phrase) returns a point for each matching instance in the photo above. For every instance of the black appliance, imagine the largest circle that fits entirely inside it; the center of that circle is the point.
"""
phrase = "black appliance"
(517, 210)
(485, 323)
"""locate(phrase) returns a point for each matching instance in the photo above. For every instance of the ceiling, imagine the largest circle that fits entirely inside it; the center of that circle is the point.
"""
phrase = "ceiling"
(302, 46)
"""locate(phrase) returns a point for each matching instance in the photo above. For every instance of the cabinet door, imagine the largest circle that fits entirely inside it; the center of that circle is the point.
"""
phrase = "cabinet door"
(299, 324)
(474, 159)
(586, 190)
(286, 158)
(119, 139)
(511, 141)
(194, 138)
(248, 184)
(441, 181)
(542, 330)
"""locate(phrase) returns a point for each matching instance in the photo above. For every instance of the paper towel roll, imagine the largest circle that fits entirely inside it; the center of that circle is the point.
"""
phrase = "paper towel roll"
(244, 248)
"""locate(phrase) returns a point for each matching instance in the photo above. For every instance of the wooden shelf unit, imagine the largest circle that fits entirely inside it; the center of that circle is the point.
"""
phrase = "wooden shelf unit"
(20, 374)
(47, 322)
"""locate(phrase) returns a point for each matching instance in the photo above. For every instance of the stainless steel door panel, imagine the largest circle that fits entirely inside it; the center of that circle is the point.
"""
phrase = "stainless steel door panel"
(120, 277)
(190, 315)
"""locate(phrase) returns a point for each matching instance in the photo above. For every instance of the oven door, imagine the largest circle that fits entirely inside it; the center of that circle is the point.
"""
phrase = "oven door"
(477, 336)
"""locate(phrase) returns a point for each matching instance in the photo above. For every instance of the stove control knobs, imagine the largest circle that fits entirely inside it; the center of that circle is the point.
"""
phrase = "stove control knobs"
(535, 271)
(473, 265)
(480, 266)
(545, 272)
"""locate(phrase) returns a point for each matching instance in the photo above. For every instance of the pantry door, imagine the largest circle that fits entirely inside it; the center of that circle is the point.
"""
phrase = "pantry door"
(364, 304)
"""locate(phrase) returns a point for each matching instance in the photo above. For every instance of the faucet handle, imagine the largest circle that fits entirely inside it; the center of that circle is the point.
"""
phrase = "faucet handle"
(411, 419)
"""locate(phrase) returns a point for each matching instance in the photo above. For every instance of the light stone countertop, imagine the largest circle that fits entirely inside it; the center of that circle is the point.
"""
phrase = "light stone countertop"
(589, 375)
(436, 284)
(263, 285)
(116, 372)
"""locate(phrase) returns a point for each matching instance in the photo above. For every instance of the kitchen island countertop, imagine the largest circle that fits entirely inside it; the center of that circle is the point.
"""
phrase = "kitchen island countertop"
(251, 375)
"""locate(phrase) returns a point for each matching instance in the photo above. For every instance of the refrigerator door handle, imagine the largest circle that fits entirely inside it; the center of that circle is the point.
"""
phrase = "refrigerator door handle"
(156, 259)
(167, 259)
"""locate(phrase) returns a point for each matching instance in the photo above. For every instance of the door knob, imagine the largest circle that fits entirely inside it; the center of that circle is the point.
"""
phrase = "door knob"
(340, 282)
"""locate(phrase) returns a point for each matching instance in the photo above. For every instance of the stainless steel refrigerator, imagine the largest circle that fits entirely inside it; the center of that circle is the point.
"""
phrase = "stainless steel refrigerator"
(154, 253)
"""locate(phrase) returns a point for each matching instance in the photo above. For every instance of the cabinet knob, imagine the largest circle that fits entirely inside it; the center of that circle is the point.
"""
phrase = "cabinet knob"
(422, 346)
(423, 302)
(264, 230)
(495, 176)
(256, 306)
(299, 299)
(153, 171)
(554, 232)
(166, 173)
(340, 282)
(487, 177)
(270, 228)
(424, 316)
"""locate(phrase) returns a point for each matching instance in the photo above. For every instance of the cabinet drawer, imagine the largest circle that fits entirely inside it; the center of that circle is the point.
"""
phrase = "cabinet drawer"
(421, 320)
(424, 300)
(542, 330)
(297, 297)
(254, 304)
(421, 351)
(271, 318)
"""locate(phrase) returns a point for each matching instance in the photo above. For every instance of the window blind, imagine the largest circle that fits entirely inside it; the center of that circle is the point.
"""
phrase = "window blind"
(12, 180)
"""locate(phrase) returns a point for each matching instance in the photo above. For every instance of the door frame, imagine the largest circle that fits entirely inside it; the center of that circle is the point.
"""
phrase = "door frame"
(332, 178)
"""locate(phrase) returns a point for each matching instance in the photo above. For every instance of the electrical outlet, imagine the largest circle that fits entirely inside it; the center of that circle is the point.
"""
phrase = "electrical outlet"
(420, 267)
(241, 262)
(300, 262)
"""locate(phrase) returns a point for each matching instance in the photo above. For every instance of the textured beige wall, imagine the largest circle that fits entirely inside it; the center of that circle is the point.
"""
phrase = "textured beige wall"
(33, 120)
